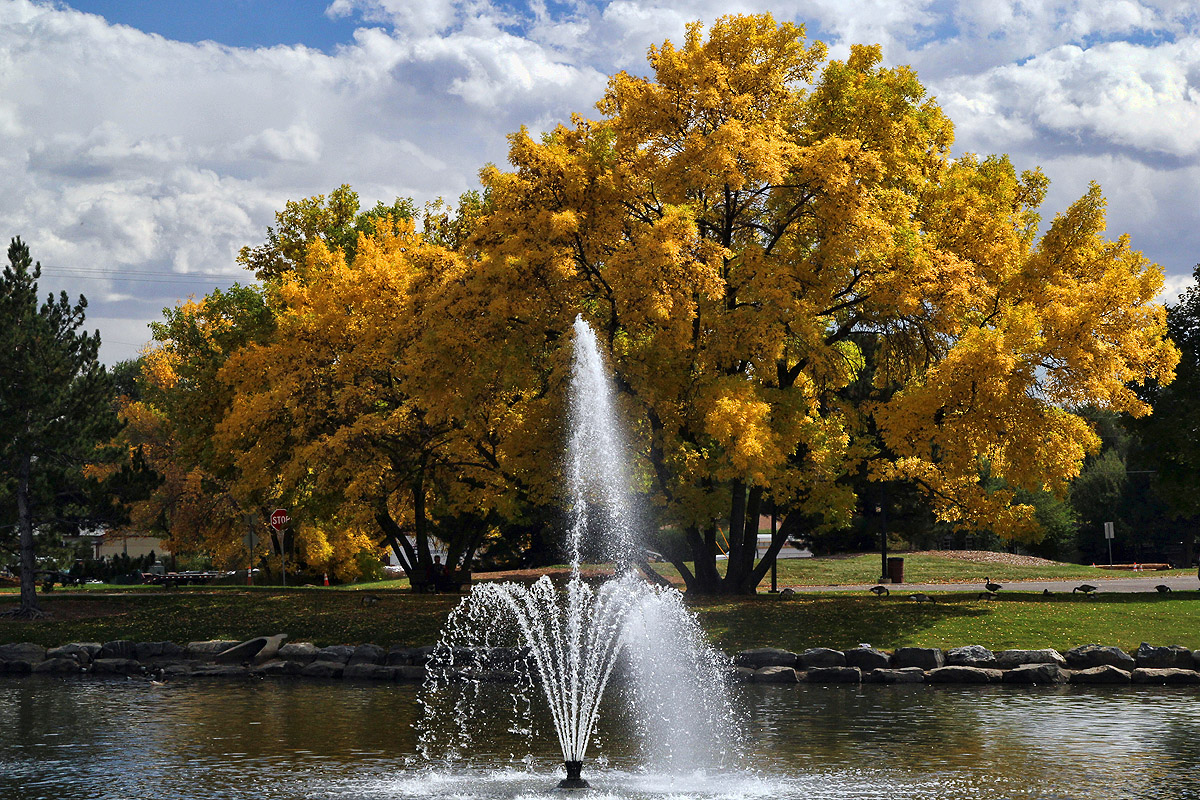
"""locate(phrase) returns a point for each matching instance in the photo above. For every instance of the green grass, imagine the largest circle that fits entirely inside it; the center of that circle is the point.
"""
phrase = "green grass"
(1013, 620)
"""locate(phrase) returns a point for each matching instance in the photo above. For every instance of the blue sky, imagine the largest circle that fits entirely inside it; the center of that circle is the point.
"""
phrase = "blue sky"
(139, 157)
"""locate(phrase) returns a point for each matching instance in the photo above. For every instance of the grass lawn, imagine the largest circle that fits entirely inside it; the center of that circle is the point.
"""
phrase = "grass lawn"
(326, 616)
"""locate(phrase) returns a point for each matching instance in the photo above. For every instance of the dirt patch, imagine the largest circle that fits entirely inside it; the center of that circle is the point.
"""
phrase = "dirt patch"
(988, 557)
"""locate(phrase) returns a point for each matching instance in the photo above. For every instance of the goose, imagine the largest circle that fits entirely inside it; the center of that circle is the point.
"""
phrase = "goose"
(1047, 592)
(991, 587)
(920, 598)
(1086, 588)
(879, 591)
(1162, 588)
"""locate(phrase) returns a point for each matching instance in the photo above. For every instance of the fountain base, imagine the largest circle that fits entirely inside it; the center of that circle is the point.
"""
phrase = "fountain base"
(573, 781)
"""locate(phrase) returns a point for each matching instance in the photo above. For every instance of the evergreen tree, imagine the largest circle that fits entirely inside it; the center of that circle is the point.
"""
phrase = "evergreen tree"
(55, 403)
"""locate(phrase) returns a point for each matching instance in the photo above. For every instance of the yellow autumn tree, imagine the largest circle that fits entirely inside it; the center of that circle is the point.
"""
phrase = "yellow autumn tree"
(739, 224)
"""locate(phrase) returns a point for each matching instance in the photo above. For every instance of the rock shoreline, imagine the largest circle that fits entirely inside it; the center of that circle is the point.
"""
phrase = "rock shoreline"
(1087, 664)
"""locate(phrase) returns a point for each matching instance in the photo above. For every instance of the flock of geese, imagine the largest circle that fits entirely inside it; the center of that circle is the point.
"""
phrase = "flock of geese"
(990, 589)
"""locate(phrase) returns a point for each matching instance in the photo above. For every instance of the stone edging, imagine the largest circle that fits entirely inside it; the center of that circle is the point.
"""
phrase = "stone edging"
(1087, 664)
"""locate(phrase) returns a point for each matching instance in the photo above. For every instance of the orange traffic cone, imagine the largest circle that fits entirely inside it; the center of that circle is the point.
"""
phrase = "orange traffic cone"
(326, 578)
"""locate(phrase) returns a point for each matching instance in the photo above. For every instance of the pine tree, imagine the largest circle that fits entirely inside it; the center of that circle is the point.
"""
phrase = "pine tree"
(55, 402)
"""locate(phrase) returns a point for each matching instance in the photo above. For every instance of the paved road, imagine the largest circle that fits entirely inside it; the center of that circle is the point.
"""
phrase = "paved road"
(1139, 582)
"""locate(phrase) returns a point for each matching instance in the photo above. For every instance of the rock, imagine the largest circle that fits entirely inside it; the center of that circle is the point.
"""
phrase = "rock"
(323, 669)
(1041, 674)
(971, 655)
(399, 656)
(834, 675)
(148, 651)
(1007, 659)
(81, 652)
(368, 672)
(204, 651)
(116, 666)
(302, 652)
(766, 657)
(1105, 673)
(423, 654)
(867, 658)
(776, 674)
(821, 657)
(23, 651)
(219, 671)
(177, 670)
(338, 654)
(279, 668)
(740, 674)
(408, 673)
(368, 654)
(16, 667)
(926, 658)
(964, 675)
(61, 666)
(120, 648)
(1170, 657)
(1164, 675)
(901, 675)
(1097, 655)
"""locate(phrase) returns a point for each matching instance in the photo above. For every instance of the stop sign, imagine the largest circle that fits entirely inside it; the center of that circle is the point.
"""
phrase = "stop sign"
(279, 519)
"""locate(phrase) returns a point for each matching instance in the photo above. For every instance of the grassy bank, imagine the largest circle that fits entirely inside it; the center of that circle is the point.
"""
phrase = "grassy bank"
(831, 620)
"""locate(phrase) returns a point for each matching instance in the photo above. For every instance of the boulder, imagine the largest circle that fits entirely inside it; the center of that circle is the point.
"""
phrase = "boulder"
(177, 670)
(338, 654)
(1098, 655)
(399, 656)
(761, 657)
(901, 675)
(149, 651)
(219, 671)
(776, 674)
(278, 668)
(815, 657)
(60, 666)
(16, 667)
(22, 651)
(971, 655)
(1165, 675)
(368, 654)
(1007, 659)
(964, 675)
(867, 658)
(1104, 674)
(926, 658)
(120, 648)
(423, 654)
(740, 674)
(1040, 674)
(116, 666)
(834, 675)
(323, 669)
(301, 652)
(368, 672)
(81, 652)
(203, 651)
(1170, 657)
(408, 673)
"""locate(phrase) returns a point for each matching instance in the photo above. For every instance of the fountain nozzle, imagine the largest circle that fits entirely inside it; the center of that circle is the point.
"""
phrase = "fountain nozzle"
(573, 781)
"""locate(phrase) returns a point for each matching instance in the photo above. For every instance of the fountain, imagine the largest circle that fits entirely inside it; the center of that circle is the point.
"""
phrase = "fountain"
(563, 645)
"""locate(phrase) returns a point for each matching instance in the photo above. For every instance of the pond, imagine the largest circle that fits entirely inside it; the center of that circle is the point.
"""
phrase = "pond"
(133, 740)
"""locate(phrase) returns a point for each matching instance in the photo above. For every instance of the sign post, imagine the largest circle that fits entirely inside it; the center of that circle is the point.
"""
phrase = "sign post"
(251, 540)
(1108, 534)
(279, 521)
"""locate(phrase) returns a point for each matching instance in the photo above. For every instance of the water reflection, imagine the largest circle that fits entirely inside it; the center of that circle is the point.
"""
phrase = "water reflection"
(106, 739)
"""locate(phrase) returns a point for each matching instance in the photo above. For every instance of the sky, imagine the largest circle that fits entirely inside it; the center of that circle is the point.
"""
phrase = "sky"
(146, 142)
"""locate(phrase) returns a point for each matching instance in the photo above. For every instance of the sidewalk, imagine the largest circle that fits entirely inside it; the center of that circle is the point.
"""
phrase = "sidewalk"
(1137, 582)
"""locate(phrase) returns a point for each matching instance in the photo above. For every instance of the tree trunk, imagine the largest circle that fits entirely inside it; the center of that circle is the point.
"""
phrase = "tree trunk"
(29, 603)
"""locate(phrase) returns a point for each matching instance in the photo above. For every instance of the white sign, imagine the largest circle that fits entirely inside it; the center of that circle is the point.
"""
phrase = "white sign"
(1108, 530)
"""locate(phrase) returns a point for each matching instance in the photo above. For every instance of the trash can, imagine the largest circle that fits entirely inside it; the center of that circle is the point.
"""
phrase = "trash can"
(896, 570)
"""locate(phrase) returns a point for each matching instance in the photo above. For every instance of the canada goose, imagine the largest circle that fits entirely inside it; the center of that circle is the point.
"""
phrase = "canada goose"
(879, 591)
(991, 587)
(1047, 592)
(920, 598)
(1162, 588)
(1086, 588)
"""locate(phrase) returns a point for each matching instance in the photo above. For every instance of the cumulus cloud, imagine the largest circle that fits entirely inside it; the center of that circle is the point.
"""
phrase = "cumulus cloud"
(149, 160)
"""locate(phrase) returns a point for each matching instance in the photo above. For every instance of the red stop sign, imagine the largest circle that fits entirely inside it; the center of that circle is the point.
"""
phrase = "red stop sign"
(279, 519)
